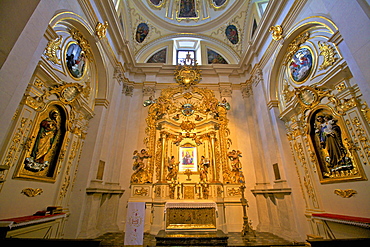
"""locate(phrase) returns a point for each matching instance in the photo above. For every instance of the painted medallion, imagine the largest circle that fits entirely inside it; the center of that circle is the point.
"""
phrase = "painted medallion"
(76, 60)
(232, 34)
(156, 2)
(218, 3)
(300, 65)
(142, 31)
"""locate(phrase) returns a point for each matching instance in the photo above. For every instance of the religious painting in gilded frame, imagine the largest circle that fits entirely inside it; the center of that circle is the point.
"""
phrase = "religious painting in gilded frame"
(336, 160)
(187, 9)
(188, 158)
(40, 159)
(300, 65)
(76, 61)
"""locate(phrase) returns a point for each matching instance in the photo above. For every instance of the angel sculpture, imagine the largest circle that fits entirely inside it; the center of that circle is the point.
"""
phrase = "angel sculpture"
(236, 167)
(139, 175)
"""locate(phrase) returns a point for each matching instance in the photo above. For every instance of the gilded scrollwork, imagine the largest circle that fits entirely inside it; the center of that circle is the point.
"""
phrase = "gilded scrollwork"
(294, 46)
(141, 192)
(51, 50)
(30, 192)
(276, 32)
(82, 42)
(328, 52)
(345, 193)
(101, 29)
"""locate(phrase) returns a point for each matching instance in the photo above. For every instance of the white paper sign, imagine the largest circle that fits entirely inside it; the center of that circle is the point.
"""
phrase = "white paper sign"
(134, 233)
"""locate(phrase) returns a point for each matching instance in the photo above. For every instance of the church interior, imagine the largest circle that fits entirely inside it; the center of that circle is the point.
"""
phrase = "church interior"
(185, 122)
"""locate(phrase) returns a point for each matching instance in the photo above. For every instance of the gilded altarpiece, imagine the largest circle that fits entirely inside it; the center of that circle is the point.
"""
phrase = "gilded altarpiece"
(187, 156)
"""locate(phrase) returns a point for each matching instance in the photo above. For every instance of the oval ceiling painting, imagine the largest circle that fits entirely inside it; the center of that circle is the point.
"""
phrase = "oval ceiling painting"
(142, 31)
(232, 34)
(300, 65)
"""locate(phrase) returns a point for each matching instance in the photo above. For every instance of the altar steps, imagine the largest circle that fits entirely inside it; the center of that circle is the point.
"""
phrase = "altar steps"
(262, 239)
(191, 238)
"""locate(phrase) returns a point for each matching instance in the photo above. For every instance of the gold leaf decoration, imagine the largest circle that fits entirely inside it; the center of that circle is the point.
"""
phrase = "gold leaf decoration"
(294, 46)
(345, 193)
(328, 53)
(276, 32)
(31, 192)
(101, 29)
(52, 48)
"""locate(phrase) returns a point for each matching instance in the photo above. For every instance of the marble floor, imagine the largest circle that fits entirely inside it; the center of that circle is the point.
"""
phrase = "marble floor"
(235, 239)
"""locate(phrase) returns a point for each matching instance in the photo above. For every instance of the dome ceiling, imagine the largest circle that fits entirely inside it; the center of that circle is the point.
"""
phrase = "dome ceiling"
(211, 26)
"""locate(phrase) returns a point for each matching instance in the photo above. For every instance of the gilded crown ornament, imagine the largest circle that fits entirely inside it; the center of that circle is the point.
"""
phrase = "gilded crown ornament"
(188, 74)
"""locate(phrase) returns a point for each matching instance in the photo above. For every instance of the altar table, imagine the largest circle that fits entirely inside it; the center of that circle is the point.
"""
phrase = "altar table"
(191, 215)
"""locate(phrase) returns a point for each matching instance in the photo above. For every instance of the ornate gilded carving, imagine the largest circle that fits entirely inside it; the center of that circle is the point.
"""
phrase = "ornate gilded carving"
(236, 167)
(140, 174)
(340, 87)
(22, 130)
(187, 126)
(233, 192)
(141, 192)
(187, 75)
(359, 136)
(345, 193)
(328, 52)
(38, 83)
(67, 175)
(40, 160)
(276, 32)
(287, 94)
(101, 29)
(190, 218)
(52, 48)
(66, 92)
(294, 46)
(30, 192)
(82, 42)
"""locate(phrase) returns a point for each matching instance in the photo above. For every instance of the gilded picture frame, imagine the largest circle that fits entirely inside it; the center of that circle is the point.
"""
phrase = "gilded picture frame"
(188, 158)
(41, 157)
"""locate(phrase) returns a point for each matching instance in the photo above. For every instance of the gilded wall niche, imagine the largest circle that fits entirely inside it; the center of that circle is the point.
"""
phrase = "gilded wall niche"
(336, 158)
(40, 159)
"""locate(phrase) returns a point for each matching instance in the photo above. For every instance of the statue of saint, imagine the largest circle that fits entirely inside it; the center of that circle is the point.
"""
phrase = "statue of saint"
(44, 143)
(172, 169)
(140, 175)
(330, 139)
(203, 169)
(236, 167)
